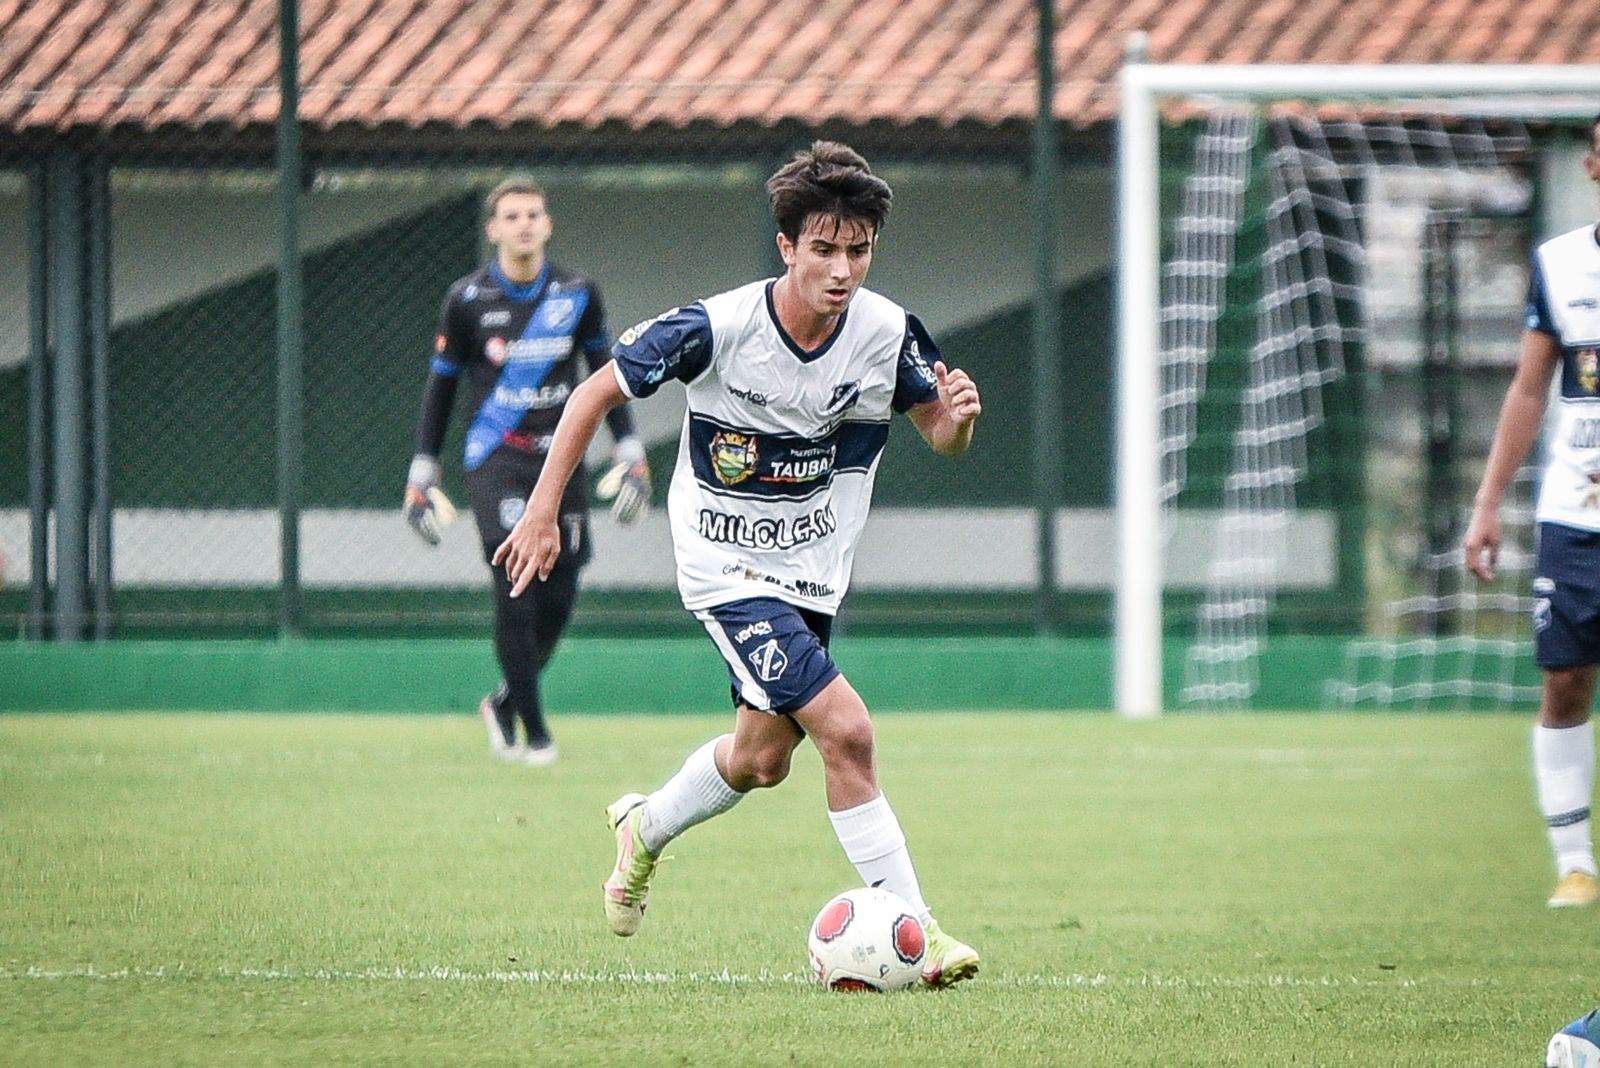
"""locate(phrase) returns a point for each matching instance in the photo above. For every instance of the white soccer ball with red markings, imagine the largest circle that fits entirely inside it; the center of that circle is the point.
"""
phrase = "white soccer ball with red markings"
(867, 939)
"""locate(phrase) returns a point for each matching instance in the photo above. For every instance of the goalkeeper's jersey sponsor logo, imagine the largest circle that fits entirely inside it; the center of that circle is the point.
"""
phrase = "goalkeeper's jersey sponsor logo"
(532, 399)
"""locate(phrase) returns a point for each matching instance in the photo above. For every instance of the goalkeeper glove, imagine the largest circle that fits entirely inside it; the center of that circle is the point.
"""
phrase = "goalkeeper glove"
(627, 483)
(427, 510)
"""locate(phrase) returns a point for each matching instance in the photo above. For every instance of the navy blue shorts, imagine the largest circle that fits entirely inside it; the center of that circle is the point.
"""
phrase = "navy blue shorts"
(1566, 597)
(776, 654)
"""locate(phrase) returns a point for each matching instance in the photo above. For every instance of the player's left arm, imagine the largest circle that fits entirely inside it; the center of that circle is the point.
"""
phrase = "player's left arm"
(941, 403)
(946, 422)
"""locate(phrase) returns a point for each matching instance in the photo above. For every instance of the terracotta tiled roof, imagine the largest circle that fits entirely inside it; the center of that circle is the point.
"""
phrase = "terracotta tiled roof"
(584, 63)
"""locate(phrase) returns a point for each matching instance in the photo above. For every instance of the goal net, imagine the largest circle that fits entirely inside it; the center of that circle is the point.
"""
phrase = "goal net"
(1322, 282)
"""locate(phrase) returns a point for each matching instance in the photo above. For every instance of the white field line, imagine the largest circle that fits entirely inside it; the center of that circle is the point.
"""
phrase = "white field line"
(632, 977)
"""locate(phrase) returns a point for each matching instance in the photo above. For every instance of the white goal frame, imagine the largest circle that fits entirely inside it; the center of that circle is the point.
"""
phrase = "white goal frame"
(1137, 645)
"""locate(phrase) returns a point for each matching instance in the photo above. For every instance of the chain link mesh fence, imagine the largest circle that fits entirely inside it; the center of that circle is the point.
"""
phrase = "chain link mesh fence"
(388, 223)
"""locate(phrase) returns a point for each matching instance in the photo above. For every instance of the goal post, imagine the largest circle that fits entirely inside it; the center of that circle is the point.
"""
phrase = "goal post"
(1311, 290)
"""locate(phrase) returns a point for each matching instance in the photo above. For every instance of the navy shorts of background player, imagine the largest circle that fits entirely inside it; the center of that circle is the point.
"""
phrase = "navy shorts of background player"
(522, 349)
(1566, 597)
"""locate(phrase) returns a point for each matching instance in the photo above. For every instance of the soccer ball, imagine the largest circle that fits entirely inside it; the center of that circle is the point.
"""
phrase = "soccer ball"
(1574, 1045)
(867, 939)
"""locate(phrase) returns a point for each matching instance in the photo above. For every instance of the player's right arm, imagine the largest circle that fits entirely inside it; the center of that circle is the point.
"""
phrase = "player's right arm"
(426, 507)
(1520, 417)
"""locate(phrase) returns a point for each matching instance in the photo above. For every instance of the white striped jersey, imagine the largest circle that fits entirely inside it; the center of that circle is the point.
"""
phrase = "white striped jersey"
(779, 446)
(1564, 302)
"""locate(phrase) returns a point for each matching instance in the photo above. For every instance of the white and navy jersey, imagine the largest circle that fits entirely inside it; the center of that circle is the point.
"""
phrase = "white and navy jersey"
(779, 446)
(524, 349)
(1564, 302)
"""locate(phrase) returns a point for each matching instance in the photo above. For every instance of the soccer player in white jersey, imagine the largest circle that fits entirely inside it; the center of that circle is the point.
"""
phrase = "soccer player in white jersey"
(791, 383)
(1562, 334)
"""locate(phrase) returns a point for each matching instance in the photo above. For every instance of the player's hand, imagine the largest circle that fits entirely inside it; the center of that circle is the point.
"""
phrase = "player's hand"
(427, 510)
(626, 484)
(529, 551)
(958, 393)
(1483, 542)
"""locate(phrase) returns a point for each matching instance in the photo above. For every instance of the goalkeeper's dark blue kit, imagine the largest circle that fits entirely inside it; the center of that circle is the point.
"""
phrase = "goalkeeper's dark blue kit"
(523, 349)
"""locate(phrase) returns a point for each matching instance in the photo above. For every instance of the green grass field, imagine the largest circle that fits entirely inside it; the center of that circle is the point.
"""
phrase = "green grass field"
(312, 890)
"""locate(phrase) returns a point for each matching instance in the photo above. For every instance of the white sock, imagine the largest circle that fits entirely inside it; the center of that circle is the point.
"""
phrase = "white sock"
(876, 845)
(695, 794)
(1563, 770)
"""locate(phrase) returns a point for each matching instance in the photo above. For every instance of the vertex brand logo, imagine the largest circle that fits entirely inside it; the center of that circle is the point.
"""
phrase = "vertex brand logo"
(760, 626)
(758, 399)
(499, 317)
(1584, 302)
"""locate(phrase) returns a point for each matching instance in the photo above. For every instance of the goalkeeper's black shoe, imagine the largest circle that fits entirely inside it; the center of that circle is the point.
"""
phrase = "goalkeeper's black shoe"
(501, 728)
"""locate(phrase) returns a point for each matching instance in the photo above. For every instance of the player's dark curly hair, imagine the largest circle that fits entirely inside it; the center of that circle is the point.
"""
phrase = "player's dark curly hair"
(831, 180)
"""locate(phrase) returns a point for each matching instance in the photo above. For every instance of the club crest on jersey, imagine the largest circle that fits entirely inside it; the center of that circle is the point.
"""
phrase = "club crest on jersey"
(557, 313)
(845, 396)
(1588, 361)
(733, 456)
(494, 350)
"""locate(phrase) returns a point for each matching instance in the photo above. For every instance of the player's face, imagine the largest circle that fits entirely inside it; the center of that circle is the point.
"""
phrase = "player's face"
(828, 262)
(520, 225)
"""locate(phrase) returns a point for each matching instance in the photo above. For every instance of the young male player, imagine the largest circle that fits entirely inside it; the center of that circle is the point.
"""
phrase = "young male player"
(518, 328)
(791, 383)
(1562, 332)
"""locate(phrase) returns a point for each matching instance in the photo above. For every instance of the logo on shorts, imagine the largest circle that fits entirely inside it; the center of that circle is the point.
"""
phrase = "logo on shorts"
(769, 661)
(733, 456)
(760, 626)
(511, 511)
(1541, 614)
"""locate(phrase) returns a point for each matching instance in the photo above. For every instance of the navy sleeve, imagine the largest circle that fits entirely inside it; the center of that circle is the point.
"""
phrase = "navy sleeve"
(675, 344)
(1538, 316)
(914, 381)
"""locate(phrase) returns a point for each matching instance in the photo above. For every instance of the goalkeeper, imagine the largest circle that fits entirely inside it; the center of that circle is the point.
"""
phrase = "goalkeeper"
(523, 332)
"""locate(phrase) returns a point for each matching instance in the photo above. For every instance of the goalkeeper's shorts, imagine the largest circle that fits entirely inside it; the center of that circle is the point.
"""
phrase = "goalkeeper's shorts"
(498, 491)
